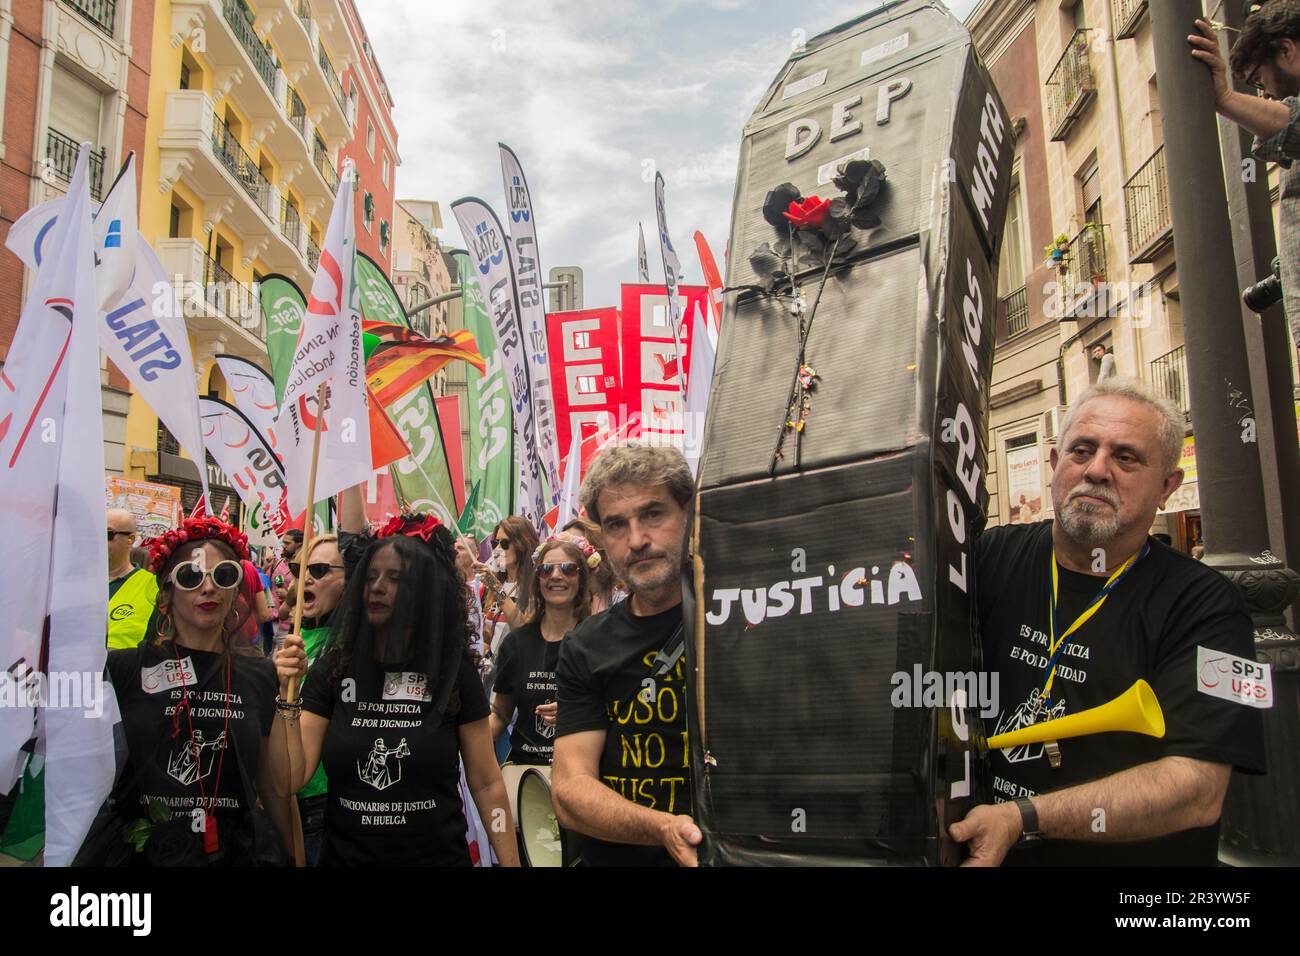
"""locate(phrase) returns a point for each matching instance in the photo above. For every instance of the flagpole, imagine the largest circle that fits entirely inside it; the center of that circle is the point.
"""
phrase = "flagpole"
(308, 526)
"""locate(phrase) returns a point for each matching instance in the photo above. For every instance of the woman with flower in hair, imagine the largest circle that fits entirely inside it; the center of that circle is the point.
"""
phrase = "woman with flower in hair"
(393, 705)
(606, 588)
(198, 704)
(525, 685)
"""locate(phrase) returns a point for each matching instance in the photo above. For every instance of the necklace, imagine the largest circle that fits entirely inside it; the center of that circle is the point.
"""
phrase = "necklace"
(208, 806)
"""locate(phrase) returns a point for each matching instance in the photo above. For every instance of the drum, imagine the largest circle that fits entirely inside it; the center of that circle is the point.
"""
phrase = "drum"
(542, 841)
(511, 773)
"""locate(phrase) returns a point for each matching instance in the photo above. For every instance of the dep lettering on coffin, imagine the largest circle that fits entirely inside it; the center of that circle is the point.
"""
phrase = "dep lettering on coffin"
(759, 604)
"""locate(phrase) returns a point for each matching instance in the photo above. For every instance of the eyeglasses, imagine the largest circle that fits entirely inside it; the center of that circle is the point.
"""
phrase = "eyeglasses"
(113, 534)
(319, 569)
(502, 543)
(568, 568)
(225, 575)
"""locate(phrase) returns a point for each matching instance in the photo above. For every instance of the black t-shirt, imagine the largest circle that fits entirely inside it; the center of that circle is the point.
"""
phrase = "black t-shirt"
(605, 664)
(180, 758)
(1167, 621)
(526, 666)
(393, 766)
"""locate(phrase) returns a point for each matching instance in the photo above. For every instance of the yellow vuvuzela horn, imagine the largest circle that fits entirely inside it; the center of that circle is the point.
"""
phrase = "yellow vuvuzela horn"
(1136, 711)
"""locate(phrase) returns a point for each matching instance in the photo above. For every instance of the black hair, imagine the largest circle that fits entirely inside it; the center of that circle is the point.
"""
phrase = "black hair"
(427, 631)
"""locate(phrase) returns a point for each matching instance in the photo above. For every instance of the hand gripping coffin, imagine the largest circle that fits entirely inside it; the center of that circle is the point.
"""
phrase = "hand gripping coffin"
(843, 477)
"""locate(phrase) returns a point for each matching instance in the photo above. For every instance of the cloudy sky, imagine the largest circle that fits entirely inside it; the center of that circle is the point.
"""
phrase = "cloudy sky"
(593, 96)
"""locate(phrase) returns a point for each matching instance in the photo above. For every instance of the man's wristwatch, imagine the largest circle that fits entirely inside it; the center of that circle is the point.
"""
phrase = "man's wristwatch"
(1029, 832)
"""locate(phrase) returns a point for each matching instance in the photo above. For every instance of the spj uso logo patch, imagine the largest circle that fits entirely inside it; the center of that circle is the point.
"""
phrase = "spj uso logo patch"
(1234, 678)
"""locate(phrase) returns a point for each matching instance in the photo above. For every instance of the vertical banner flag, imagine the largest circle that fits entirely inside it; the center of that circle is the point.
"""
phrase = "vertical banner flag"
(527, 263)
(487, 244)
(329, 351)
(642, 260)
(672, 269)
(449, 422)
(585, 367)
(712, 279)
(139, 320)
(423, 476)
(490, 467)
(651, 358)
(697, 391)
(52, 506)
(570, 504)
(283, 308)
(243, 453)
(254, 395)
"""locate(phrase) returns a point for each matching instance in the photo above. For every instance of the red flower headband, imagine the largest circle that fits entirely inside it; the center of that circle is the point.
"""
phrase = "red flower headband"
(164, 546)
(410, 525)
(568, 537)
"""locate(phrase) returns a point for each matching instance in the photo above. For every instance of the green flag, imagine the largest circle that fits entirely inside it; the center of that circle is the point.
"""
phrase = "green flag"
(284, 307)
(424, 477)
(491, 445)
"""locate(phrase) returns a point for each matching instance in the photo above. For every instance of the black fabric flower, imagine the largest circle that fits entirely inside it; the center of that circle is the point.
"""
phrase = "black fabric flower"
(777, 204)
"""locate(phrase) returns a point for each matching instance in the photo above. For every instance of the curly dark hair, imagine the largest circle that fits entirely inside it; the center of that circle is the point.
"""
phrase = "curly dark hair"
(1262, 35)
(427, 632)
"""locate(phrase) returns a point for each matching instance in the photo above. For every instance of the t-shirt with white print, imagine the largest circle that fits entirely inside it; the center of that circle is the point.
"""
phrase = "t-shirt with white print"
(393, 766)
(1162, 622)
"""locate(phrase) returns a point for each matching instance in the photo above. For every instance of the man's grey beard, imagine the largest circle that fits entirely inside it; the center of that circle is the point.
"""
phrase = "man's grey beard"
(1086, 524)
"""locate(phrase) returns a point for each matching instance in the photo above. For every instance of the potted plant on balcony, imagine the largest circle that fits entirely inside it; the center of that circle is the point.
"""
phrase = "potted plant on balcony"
(1056, 251)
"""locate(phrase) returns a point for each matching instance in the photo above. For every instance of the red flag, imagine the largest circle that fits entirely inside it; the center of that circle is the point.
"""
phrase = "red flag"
(225, 510)
(386, 443)
(712, 279)
(200, 509)
(396, 368)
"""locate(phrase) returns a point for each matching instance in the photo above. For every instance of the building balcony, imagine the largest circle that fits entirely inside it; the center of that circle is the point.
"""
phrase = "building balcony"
(1169, 378)
(297, 31)
(328, 172)
(61, 161)
(221, 312)
(1083, 271)
(1016, 308)
(313, 255)
(291, 226)
(102, 14)
(196, 146)
(1148, 223)
(1071, 87)
(1126, 16)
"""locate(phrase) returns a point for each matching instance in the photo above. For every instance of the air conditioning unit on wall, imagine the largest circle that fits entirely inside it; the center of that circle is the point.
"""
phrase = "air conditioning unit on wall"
(1051, 424)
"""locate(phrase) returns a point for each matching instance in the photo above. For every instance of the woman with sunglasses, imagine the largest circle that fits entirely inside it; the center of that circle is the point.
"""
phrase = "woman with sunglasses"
(513, 542)
(606, 589)
(525, 684)
(199, 707)
(393, 705)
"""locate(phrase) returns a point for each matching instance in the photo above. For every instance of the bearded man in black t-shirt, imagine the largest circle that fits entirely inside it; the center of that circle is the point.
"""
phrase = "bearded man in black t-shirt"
(621, 767)
(1073, 612)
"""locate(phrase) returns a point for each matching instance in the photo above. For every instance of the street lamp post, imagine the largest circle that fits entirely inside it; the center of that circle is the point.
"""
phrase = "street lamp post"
(1259, 822)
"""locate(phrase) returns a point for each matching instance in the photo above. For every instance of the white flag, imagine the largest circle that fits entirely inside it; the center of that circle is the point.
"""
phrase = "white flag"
(141, 330)
(527, 264)
(570, 501)
(329, 351)
(642, 260)
(697, 392)
(52, 507)
(487, 248)
(672, 268)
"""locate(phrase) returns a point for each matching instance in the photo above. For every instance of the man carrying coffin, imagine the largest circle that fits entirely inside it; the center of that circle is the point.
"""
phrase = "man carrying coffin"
(1073, 612)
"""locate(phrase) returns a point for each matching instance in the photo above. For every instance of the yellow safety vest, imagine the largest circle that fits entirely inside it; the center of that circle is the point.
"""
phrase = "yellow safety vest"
(130, 608)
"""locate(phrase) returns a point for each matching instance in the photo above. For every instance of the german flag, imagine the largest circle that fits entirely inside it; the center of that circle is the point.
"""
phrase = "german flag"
(397, 366)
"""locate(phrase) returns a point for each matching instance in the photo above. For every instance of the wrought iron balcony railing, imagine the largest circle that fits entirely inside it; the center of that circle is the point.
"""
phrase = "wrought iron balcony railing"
(1169, 376)
(240, 165)
(290, 222)
(61, 160)
(303, 9)
(296, 110)
(1070, 87)
(102, 13)
(326, 167)
(1085, 262)
(313, 254)
(263, 61)
(332, 78)
(1126, 17)
(228, 295)
(1016, 307)
(1146, 209)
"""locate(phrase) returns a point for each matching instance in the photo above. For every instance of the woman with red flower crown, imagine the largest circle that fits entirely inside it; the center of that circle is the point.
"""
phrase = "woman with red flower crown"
(208, 761)
(392, 706)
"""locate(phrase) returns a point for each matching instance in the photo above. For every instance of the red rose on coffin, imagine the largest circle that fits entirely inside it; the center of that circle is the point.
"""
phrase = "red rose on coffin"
(809, 214)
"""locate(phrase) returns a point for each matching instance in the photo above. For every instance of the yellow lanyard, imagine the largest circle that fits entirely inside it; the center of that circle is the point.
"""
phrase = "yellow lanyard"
(1058, 644)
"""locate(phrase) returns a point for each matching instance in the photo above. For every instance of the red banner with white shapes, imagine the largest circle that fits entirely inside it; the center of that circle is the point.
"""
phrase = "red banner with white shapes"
(586, 382)
(650, 357)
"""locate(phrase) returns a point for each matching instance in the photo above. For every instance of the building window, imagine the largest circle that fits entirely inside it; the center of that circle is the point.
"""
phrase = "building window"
(368, 211)
(383, 236)
(370, 138)
(387, 171)
(185, 75)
